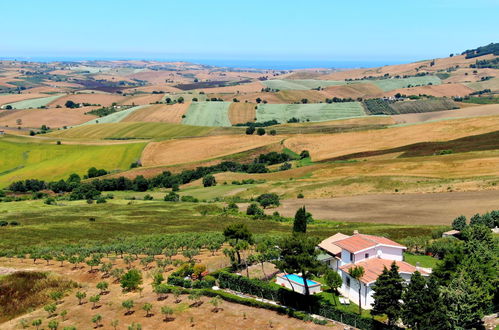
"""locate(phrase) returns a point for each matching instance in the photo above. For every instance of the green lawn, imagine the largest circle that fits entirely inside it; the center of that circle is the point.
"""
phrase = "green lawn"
(424, 261)
(68, 222)
(28, 159)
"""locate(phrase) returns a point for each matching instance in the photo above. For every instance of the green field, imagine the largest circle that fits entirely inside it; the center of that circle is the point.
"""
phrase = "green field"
(68, 222)
(395, 83)
(303, 84)
(208, 114)
(132, 130)
(313, 112)
(35, 103)
(24, 159)
(492, 84)
(114, 117)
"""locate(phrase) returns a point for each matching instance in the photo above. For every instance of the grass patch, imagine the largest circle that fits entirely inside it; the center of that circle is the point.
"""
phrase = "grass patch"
(69, 222)
(25, 160)
(424, 261)
(34, 103)
(208, 114)
(303, 84)
(132, 130)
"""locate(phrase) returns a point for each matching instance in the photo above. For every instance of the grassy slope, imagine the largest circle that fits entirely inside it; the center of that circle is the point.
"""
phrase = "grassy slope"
(35, 103)
(114, 117)
(43, 224)
(312, 112)
(208, 114)
(20, 161)
(132, 130)
(391, 84)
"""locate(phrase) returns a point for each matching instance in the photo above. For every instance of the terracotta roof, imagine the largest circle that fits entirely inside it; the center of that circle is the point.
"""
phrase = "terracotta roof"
(329, 243)
(359, 242)
(374, 267)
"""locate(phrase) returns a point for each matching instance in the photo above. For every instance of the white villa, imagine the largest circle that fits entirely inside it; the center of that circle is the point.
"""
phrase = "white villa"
(342, 252)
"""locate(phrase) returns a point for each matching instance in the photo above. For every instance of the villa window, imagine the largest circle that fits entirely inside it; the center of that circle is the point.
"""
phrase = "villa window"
(351, 257)
(366, 255)
(348, 281)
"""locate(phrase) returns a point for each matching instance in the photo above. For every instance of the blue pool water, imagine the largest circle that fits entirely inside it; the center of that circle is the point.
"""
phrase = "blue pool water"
(299, 280)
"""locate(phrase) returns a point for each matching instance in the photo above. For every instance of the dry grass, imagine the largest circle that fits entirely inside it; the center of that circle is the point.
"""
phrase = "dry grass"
(352, 90)
(242, 112)
(448, 90)
(468, 110)
(97, 98)
(51, 117)
(243, 88)
(196, 149)
(162, 113)
(142, 99)
(324, 147)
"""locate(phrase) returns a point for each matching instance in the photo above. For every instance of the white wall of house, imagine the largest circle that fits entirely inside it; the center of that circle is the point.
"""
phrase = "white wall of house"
(383, 252)
(392, 253)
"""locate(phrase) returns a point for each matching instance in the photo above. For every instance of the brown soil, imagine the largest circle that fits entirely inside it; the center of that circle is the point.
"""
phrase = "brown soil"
(353, 90)
(421, 209)
(242, 112)
(162, 113)
(243, 88)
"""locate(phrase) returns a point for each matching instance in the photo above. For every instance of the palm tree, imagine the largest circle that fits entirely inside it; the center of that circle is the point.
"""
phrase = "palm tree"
(357, 272)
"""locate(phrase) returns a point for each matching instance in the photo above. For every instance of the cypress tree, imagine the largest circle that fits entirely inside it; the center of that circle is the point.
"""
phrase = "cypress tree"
(300, 223)
(387, 294)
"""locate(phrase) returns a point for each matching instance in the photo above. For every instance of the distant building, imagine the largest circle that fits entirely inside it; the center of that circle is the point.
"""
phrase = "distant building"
(2, 133)
(374, 253)
(451, 233)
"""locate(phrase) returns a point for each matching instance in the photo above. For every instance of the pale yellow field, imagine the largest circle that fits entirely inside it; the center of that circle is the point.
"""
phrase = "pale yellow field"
(323, 147)
(162, 113)
(196, 149)
(51, 117)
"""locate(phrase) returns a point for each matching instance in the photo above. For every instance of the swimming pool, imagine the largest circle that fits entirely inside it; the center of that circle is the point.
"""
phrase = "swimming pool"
(299, 280)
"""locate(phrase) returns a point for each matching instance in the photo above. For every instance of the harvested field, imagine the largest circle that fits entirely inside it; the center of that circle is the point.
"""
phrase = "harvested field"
(296, 96)
(97, 98)
(300, 84)
(51, 117)
(469, 111)
(421, 209)
(324, 147)
(132, 130)
(149, 89)
(142, 99)
(115, 117)
(11, 98)
(208, 114)
(352, 90)
(240, 113)
(243, 88)
(312, 112)
(35, 103)
(167, 152)
(391, 84)
(161, 113)
(444, 90)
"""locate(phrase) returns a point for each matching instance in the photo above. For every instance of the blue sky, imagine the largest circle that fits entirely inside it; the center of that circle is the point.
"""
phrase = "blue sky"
(271, 29)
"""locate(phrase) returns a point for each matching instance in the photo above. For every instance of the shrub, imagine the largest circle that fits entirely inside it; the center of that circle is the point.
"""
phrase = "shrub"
(209, 181)
(131, 280)
(253, 209)
(260, 131)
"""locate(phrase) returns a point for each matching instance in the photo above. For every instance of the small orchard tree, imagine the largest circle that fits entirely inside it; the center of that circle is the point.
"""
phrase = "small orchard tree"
(176, 293)
(147, 308)
(114, 324)
(102, 286)
(128, 304)
(80, 296)
(94, 300)
(36, 323)
(50, 309)
(53, 325)
(56, 296)
(63, 314)
(215, 301)
(167, 312)
(131, 280)
(97, 319)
